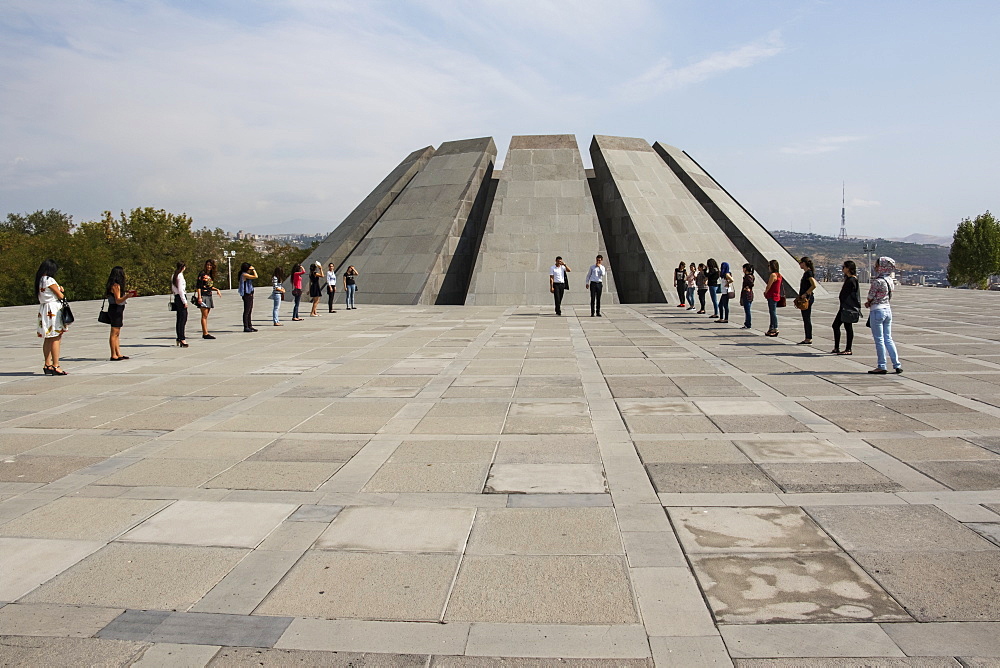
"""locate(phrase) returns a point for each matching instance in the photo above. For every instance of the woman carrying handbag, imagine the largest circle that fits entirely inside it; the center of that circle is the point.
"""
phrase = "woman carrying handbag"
(850, 309)
(772, 293)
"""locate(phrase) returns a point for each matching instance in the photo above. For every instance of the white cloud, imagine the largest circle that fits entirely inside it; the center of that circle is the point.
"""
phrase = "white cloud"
(820, 145)
(863, 203)
(664, 76)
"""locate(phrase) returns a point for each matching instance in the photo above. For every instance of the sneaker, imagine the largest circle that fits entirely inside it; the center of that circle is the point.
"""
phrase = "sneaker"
(899, 369)
(690, 308)
(878, 371)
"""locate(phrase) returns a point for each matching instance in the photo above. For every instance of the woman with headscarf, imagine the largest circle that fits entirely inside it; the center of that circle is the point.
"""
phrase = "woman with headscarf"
(880, 315)
(724, 293)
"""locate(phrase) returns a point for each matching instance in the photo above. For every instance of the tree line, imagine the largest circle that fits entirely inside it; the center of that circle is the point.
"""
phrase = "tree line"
(146, 242)
(975, 251)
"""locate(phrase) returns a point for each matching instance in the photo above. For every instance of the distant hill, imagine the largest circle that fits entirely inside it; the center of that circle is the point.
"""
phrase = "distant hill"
(830, 251)
(926, 240)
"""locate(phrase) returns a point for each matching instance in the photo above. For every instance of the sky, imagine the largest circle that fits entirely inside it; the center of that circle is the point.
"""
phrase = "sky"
(281, 115)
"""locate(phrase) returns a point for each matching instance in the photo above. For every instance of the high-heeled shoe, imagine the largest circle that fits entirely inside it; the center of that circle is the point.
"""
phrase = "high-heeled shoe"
(48, 370)
(57, 371)
(181, 343)
(207, 336)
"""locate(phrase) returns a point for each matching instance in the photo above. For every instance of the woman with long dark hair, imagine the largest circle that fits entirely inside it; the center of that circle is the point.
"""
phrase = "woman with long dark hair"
(351, 285)
(806, 297)
(50, 316)
(205, 288)
(680, 282)
(712, 274)
(116, 295)
(724, 288)
(297, 273)
(850, 308)
(691, 283)
(331, 285)
(277, 292)
(178, 287)
(247, 276)
(772, 293)
(315, 289)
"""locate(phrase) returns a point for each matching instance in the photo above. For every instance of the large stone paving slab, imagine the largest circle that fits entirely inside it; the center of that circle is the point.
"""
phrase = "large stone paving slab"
(542, 590)
(222, 524)
(354, 585)
(164, 577)
(376, 529)
(546, 479)
(28, 562)
(82, 518)
(545, 531)
(775, 529)
(896, 529)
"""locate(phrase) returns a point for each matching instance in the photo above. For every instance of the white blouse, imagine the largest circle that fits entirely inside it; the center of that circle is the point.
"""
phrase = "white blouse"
(180, 289)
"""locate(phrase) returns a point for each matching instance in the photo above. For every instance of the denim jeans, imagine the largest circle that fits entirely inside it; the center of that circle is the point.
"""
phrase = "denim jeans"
(724, 307)
(881, 319)
(772, 311)
(349, 296)
(746, 310)
(713, 292)
(295, 309)
(690, 295)
(276, 298)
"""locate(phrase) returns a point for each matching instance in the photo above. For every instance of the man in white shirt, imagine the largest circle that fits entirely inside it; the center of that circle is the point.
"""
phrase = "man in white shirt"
(331, 285)
(557, 282)
(595, 281)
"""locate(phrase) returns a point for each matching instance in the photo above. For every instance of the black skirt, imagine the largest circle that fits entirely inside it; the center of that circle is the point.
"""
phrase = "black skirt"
(117, 314)
(314, 288)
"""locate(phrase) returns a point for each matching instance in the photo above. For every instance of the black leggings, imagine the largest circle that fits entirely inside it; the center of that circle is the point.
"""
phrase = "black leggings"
(330, 293)
(807, 323)
(182, 317)
(247, 310)
(681, 287)
(701, 297)
(848, 327)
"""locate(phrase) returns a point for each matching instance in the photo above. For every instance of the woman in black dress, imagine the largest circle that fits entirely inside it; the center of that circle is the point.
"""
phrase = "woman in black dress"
(850, 309)
(315, 289)
(806, 287)
(117, 296)
(205, 292)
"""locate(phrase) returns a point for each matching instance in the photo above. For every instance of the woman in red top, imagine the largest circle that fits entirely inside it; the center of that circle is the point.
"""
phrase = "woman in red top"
(773, 295)
(297, 273)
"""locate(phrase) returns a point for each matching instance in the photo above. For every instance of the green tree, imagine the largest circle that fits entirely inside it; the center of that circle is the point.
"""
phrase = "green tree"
(975, 251)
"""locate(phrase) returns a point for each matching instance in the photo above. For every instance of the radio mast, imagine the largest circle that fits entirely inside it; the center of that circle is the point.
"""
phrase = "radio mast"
(843, 218)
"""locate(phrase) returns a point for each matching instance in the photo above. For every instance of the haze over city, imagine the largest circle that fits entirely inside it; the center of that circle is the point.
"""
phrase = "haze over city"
(282, 116)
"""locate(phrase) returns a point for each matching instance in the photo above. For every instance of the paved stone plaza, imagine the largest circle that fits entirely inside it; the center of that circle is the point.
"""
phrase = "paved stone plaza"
(496, 486)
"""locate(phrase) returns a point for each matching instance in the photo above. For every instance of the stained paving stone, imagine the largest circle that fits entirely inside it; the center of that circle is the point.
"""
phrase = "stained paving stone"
(793, 451)
(315, 513)
(798, 587)
(775, 529)
(829, 477)
(704, 478)
(770, 424)
(546, 478)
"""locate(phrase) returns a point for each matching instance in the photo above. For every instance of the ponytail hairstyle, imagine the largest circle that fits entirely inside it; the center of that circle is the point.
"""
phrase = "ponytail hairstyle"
(807, 261)
(177, 272)
(244, 268)
(851, 267)
(748, 268)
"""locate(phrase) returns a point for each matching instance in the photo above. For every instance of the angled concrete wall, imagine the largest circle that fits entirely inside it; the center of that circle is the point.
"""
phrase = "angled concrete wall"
(421, 250)
(749, 236)
(339, 244)
(651, 221)
(542, 208)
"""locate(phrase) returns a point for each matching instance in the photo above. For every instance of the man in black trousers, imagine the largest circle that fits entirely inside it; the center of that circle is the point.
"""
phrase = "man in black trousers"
(557, 282)
(595, 281)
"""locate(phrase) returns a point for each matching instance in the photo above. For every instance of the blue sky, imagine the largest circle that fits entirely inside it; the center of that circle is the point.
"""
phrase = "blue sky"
(247, 114)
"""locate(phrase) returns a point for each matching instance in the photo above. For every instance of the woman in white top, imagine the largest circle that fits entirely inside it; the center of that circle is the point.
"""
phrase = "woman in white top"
(178, 287)
(691, 283)
(50, 321)
(331, 285)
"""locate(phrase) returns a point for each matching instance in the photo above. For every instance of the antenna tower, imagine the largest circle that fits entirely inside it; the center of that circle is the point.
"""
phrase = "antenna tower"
(843, 218)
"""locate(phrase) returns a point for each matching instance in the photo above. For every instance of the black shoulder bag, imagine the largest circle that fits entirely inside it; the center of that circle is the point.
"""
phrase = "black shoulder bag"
(104, 316)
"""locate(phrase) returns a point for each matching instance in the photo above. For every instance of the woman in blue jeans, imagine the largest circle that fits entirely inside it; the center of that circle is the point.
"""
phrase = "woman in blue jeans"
(772, 293)
(880, 315)
(277, 292)
(351, 286)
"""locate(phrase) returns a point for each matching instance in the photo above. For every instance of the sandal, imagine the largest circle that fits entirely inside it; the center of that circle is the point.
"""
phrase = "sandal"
(845, 352)
(57, 371)
(48, 369)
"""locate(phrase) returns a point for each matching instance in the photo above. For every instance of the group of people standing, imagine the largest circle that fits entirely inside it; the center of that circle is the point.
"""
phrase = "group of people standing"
(54, 315)
(717, 281)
